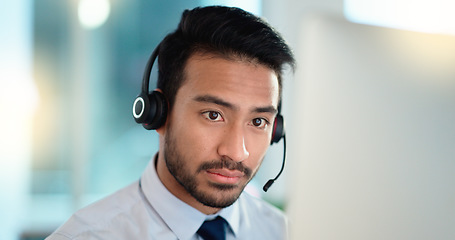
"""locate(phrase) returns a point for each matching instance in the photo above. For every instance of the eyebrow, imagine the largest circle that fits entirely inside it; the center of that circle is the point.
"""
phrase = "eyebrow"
(269, 109)
(214, 100)
(221, 102)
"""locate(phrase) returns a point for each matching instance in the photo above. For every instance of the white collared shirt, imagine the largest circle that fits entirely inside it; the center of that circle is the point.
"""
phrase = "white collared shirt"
(147, 210)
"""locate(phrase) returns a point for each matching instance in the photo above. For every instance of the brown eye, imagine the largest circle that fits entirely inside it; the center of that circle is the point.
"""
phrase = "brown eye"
(259, 122)
(213, 116)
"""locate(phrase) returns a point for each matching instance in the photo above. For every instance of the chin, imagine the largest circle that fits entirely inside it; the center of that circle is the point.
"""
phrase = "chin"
(219, 196)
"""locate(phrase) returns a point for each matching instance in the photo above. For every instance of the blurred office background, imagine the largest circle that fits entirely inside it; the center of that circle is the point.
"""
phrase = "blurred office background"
(370, 112)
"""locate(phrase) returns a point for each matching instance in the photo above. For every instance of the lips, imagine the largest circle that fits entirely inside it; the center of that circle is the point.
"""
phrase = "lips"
(224, 176)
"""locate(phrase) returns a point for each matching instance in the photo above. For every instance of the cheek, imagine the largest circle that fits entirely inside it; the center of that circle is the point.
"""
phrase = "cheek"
(191, 140)
(257, 153)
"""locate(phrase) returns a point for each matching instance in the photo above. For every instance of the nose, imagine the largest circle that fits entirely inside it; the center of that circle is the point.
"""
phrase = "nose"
(232, 145)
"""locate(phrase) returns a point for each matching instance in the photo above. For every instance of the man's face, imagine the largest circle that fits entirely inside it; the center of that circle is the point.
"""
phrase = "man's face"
(220, 127)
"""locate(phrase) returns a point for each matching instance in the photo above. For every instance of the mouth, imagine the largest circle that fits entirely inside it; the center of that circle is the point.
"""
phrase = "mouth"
(224, 176)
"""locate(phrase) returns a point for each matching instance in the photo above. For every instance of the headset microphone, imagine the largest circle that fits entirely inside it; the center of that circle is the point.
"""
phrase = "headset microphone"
(279, 123)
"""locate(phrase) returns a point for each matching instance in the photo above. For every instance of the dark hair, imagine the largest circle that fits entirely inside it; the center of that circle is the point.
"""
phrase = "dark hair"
(225, 31)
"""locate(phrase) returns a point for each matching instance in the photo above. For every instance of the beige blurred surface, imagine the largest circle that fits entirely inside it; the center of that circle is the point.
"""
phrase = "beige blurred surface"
(372, 146)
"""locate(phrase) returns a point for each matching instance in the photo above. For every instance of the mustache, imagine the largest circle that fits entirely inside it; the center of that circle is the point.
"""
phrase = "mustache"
(228, 164)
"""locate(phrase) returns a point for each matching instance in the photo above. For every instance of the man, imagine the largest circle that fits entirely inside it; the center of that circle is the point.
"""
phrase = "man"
(219, 89)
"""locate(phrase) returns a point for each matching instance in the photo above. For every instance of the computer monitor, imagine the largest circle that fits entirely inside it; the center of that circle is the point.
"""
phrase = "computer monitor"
(371, 134)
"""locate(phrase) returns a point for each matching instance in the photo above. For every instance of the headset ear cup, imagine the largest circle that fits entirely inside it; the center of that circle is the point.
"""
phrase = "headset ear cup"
(278, 129)
(158, 111)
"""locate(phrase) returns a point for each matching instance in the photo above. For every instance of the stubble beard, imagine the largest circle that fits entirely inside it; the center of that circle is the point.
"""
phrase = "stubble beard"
(219, 195)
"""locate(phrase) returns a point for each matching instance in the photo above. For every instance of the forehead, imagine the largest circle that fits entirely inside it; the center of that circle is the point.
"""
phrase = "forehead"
(233, 79)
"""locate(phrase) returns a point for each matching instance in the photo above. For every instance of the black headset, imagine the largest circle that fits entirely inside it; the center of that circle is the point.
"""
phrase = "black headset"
(151, 108)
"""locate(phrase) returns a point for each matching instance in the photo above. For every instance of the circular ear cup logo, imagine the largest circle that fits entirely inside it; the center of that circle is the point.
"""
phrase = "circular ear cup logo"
(138, 107)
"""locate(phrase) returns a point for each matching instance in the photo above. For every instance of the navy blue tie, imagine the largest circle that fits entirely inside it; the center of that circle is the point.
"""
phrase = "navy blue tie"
(213, 229)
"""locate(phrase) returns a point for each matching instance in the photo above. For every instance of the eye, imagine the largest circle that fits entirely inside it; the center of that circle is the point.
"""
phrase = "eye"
(259, 122)
(213, 116)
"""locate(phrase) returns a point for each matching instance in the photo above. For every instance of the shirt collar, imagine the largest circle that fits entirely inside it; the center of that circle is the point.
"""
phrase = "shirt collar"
(180, 217)
(232, 216)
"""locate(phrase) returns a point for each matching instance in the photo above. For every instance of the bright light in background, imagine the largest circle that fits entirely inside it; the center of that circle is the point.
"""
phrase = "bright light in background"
(252, 6)
(18, 101)
(431, 16)
(93, 13)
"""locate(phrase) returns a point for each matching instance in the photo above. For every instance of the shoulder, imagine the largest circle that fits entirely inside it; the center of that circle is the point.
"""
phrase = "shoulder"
(105, 217)
(262, 218)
